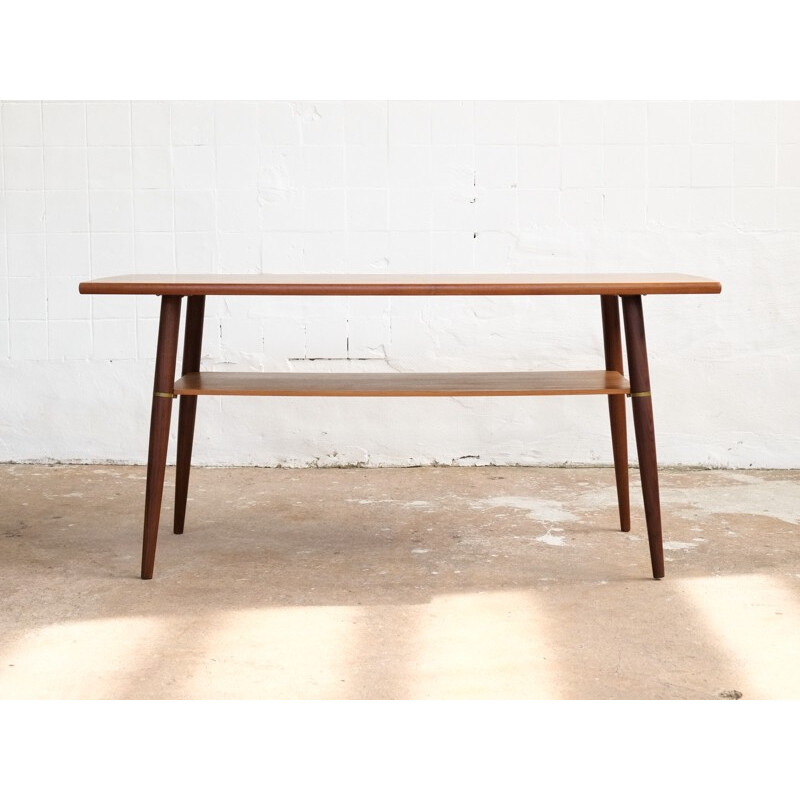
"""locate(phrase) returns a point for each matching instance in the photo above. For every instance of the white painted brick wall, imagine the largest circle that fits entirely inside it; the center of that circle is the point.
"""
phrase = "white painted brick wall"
(92, 189)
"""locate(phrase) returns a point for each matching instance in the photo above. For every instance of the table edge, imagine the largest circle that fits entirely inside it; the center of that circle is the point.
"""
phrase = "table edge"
(691, 285)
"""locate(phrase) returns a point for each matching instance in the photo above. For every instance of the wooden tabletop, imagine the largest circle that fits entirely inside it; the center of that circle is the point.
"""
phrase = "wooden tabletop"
(464, 284)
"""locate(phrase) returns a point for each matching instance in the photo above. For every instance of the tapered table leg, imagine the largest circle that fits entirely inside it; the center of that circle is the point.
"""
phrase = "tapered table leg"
(163, 387)
(192, 345)
(642, 404)
(612, 343)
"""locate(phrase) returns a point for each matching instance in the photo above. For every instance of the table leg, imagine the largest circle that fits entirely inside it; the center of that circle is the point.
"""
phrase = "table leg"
(163, 387)
(612, 344)
(642, 404)
(192, 345)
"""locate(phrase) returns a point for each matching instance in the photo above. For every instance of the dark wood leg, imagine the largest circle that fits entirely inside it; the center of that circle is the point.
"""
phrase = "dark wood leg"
(642, 404)
(192, 345)
(612, 344)
(163, 387)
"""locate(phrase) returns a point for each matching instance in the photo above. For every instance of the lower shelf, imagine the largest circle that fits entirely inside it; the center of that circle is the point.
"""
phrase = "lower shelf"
(402, 384)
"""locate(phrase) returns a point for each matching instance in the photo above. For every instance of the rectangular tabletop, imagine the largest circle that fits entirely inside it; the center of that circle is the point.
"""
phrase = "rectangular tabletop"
(464, 284)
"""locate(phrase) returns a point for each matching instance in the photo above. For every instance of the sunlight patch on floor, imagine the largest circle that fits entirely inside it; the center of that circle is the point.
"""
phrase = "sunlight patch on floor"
(486, 645)
(756, 620)
(290, 652)
(89, 659)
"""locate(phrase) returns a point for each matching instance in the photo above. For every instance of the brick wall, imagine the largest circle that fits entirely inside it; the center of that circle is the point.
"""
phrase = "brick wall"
(92, 189)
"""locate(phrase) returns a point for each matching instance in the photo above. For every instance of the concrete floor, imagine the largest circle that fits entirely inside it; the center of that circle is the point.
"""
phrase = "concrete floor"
(398, 583)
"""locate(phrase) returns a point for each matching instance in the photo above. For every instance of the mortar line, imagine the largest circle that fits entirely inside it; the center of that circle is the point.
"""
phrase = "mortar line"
(5, 230)
(89, 233)
(46, 281)
(133, 235)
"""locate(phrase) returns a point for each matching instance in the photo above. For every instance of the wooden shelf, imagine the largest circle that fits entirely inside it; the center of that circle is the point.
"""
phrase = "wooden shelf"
(402, 384)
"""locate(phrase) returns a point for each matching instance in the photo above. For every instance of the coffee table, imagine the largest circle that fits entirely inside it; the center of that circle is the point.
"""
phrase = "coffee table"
(612, 289)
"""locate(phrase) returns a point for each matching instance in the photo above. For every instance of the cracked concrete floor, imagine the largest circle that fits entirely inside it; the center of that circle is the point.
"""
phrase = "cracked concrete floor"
(398, 583)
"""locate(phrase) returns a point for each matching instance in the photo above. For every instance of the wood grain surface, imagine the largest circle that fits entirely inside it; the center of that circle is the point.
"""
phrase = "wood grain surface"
(464, 284)
(400, 384)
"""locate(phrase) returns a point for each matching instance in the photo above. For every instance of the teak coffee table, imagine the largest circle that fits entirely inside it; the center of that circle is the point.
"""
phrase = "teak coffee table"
(610, 381)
